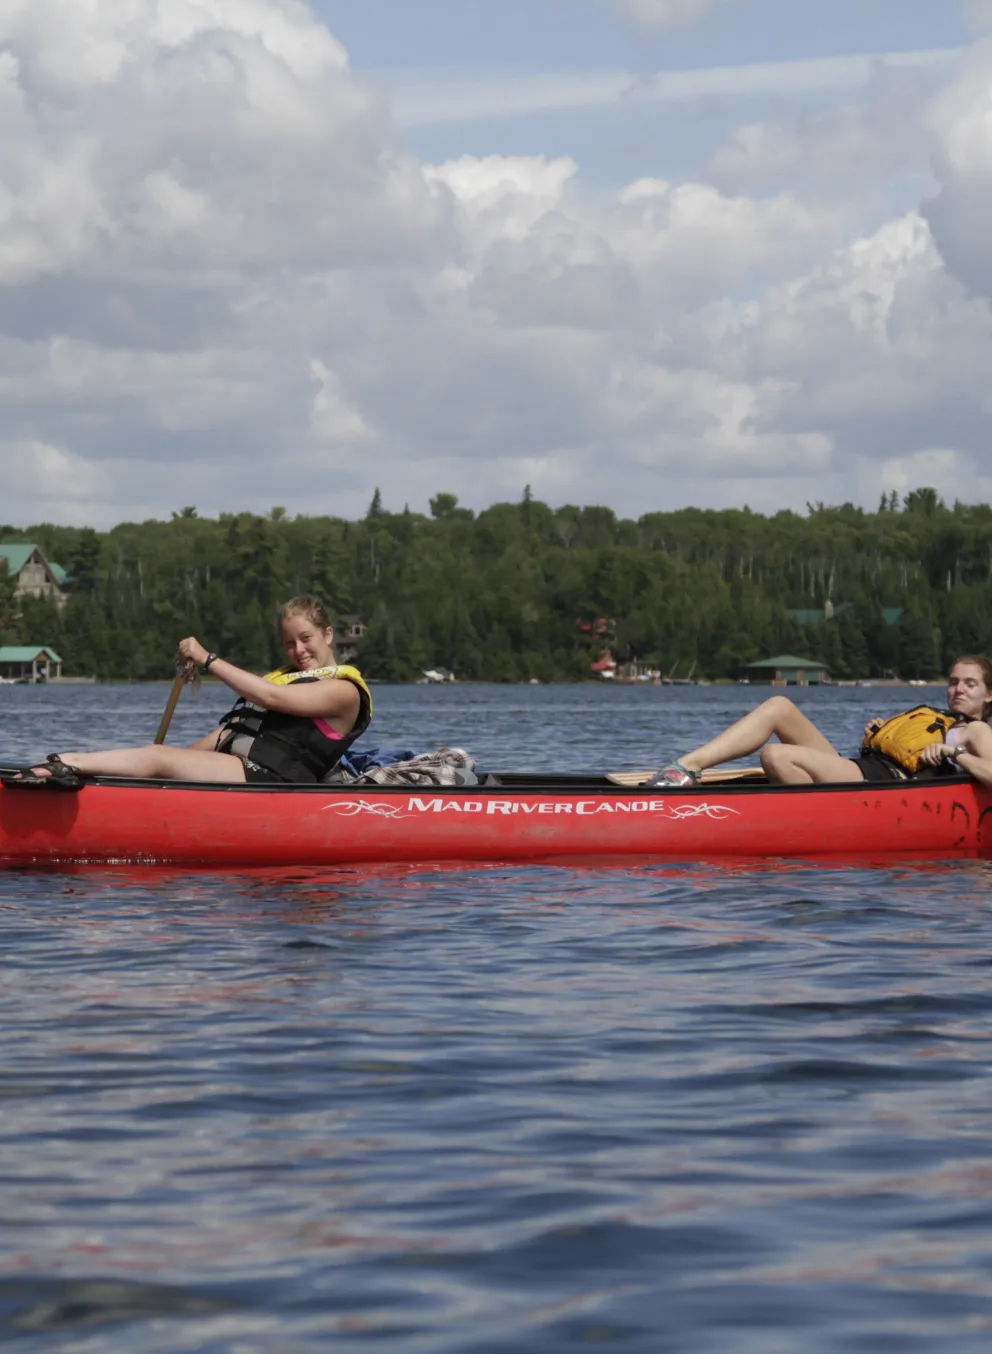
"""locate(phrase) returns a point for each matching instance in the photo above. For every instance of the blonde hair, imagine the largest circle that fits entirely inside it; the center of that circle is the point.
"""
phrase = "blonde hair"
(306, 605)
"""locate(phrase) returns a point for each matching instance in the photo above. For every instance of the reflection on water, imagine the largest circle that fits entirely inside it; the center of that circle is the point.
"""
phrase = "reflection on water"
(635, 1107)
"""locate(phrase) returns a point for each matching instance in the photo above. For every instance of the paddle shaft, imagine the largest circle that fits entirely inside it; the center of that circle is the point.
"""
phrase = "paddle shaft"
(170, 707)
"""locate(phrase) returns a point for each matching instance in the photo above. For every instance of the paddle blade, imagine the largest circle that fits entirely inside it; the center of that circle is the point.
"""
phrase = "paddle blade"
(714, 777)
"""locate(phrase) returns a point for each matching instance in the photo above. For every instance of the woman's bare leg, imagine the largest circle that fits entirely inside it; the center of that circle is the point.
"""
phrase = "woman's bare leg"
(776, 717)
(157, 762)
(209, 741)
(792, 764)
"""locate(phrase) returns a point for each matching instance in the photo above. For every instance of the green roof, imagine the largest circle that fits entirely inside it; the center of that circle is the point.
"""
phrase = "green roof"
(26, 653)
(17, 554)
(788, 660)
(810, 615)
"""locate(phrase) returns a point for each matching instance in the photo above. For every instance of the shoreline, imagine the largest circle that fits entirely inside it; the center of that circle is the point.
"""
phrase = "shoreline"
(207, 680)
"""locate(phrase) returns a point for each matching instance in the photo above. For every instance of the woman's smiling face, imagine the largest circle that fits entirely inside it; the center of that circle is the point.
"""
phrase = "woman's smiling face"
(307, 645)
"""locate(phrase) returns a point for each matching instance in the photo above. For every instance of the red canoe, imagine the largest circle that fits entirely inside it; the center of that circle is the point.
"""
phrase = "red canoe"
(111, 821)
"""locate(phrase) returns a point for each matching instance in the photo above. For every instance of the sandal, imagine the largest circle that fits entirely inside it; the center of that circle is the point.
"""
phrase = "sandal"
(675, 775)
(23, 780)
(60, 777)
(65, 776)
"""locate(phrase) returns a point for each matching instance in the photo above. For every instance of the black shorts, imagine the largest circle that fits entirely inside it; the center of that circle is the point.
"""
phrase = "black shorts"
(878, 770)
(254, 772)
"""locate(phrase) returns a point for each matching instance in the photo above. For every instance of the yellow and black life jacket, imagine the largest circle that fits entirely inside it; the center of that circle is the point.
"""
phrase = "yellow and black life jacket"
(902, 738)
(296, 748)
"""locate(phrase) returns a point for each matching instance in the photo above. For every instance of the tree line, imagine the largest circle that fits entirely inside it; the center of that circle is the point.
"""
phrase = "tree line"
(519, 590)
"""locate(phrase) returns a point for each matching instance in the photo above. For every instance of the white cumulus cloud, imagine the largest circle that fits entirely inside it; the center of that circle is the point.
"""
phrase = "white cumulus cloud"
(666, 13)
(979, 12)
(960, 215)
(225, 280)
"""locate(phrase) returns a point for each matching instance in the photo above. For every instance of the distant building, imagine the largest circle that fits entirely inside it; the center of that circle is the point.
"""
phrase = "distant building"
(351, 625)
(28, 663)
(605, 666)
(348, 636)
(36, 576)
(788, 670)
(829, 611)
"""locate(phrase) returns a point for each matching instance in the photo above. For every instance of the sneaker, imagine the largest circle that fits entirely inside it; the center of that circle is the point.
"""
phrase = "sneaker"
(675, 775)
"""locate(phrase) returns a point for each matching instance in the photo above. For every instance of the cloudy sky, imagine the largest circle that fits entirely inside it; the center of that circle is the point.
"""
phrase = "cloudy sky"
(647, 253)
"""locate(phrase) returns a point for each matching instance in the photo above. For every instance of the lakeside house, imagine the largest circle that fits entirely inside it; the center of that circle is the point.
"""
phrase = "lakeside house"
(348, 636)
(35, 575)
(29, 663)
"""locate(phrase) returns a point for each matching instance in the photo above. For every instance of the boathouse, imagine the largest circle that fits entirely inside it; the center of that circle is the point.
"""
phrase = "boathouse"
(28, 663)
(788, 670)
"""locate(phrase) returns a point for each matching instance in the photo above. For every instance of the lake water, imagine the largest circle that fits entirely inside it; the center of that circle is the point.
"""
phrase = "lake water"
(671, 1108)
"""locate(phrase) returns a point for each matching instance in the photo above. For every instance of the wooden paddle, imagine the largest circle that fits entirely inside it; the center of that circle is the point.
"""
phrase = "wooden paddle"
(713, 777)
(186, 672)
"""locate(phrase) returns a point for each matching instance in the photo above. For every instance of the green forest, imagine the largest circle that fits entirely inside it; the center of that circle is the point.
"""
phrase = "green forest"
(522, 590)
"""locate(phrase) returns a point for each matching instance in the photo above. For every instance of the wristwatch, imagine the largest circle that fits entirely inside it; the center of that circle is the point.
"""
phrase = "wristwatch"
(211, 658)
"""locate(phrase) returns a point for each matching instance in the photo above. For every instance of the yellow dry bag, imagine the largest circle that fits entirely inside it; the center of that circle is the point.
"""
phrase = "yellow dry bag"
(903, 737)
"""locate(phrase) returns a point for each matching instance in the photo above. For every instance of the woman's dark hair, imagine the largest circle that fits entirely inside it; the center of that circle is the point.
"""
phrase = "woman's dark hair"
(316, 613)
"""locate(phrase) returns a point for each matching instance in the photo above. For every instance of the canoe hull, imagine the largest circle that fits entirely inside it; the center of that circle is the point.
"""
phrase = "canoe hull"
(159, 823)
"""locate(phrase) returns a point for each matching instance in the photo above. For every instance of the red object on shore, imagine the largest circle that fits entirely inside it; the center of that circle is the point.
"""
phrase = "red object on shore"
(113, 821)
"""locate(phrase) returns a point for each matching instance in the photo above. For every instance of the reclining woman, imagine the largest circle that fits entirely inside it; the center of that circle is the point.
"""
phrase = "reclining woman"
(803, 755)
(292, 725)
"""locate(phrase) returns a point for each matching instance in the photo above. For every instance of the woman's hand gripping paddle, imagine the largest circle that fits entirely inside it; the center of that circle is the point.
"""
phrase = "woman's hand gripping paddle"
(187, 673)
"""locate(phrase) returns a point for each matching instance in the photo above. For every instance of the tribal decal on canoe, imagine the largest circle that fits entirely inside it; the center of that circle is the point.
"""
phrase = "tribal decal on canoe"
(348, 808)
(716, 811)
(579, 808)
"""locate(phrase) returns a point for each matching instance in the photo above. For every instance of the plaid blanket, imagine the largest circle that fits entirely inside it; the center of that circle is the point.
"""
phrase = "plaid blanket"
(447, 766)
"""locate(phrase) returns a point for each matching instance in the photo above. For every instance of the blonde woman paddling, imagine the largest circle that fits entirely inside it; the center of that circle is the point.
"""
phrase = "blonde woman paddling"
(292, 725)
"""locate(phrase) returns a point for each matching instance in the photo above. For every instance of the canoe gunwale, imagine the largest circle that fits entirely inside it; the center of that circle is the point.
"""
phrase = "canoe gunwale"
(517, 783)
